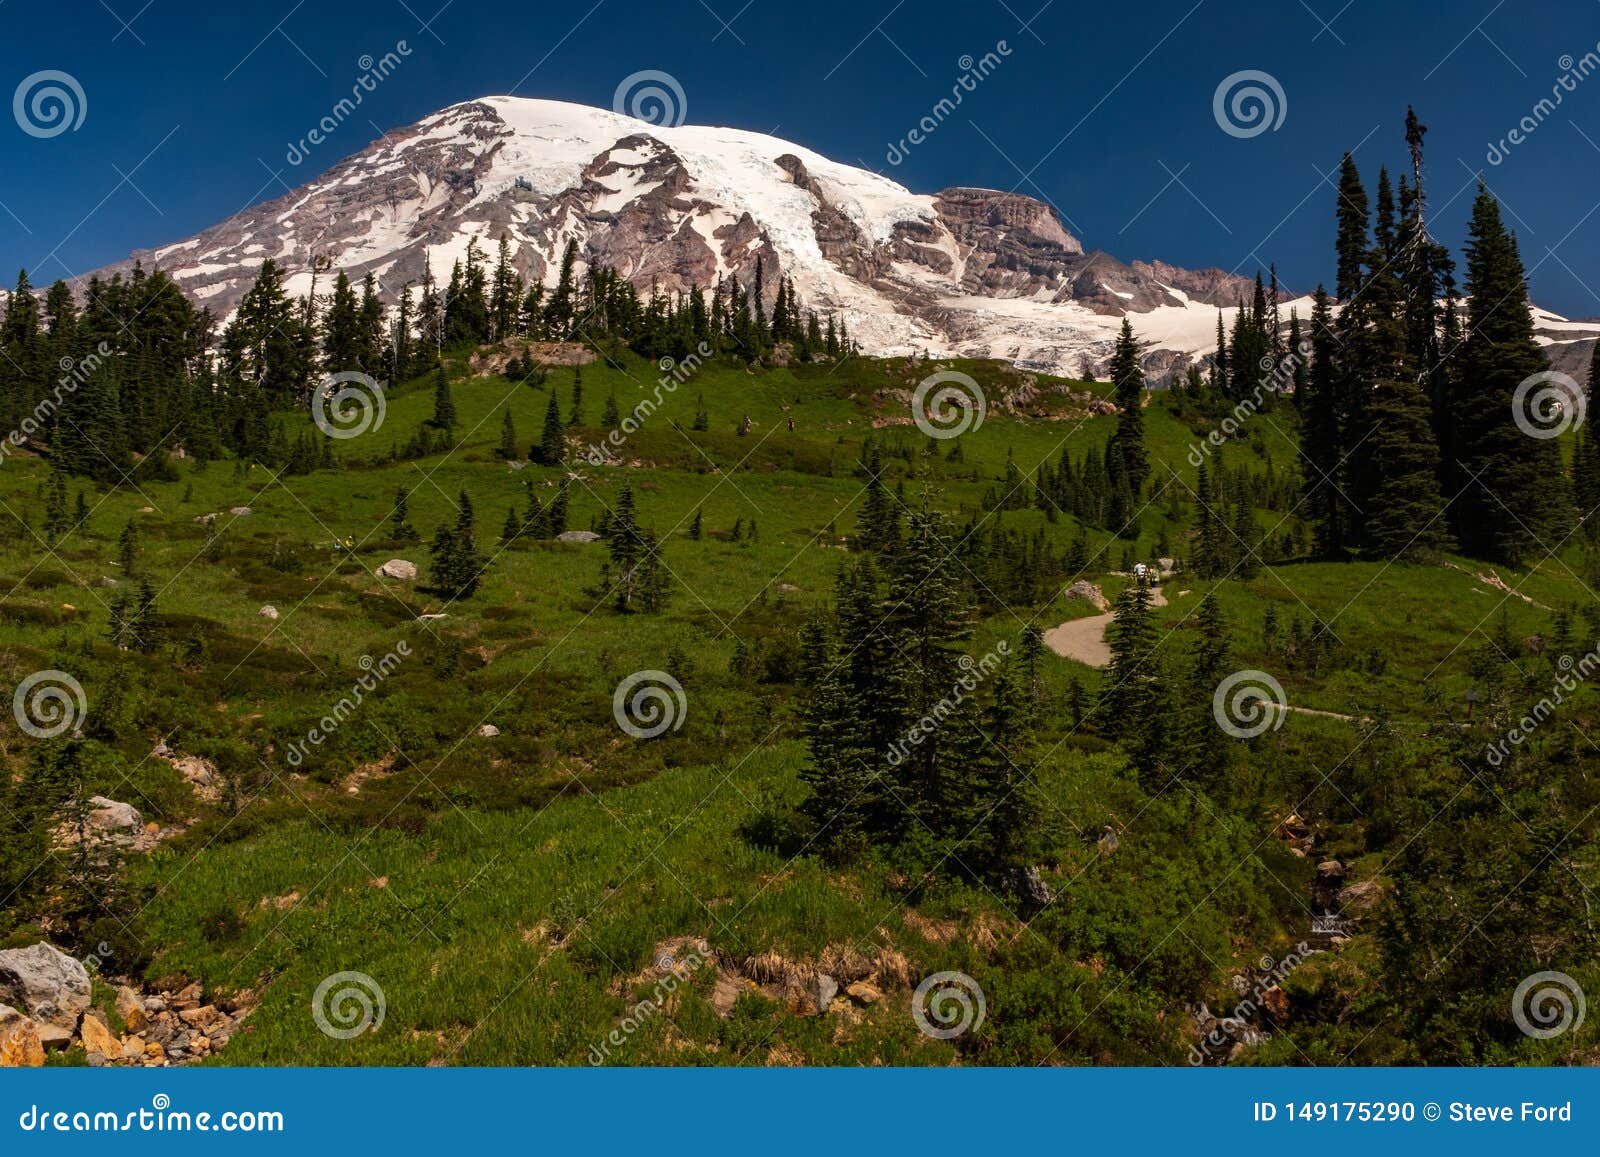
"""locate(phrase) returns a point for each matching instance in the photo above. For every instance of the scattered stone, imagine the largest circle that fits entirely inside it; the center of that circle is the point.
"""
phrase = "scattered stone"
(1083, 589)
(863, 993)
(98, 1037)
(433, 618)
(131, 1008)
(240, 511)
(50, 985)
(147, 510)
(268, 612)
(188, 997)
(1029, 886)
(109, 815)
(397, 568)
(20, 1047)
(212, 517)
(826, 989)
(107, 581)
(203, 1017)
(488, 731)
(199, 773)
(54, 1038)
(1108, 843)
(577, 536)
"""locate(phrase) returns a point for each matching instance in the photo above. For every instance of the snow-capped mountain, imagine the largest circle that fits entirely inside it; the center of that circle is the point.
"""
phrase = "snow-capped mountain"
(963, 271)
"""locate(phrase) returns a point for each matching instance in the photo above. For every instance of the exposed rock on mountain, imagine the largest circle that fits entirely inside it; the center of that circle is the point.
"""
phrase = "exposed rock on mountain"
(963, 271)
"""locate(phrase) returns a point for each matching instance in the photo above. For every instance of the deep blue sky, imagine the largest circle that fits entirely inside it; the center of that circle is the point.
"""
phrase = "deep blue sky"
(1104, 109)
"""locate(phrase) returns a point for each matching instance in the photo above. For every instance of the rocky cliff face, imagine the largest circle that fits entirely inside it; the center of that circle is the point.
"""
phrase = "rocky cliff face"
(963, 271)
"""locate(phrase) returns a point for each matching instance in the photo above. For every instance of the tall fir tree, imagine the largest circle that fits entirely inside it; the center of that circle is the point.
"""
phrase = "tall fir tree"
(1510, 501)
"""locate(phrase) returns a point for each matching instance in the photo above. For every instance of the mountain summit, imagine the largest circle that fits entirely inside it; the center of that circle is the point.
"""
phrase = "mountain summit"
(967, 271)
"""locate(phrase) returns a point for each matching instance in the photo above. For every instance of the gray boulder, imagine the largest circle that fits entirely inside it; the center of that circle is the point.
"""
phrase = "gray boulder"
(577, 536)
(50, 985)
(397, 568)
(109, 815)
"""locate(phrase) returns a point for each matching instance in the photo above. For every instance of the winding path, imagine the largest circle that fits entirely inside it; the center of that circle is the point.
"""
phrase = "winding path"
(1085, 639)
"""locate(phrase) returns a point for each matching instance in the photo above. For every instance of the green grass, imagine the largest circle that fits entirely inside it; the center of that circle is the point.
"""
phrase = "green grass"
(527, 877)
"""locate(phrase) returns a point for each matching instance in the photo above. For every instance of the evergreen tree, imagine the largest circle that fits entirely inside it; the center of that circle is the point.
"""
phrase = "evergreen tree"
(1128, 694)
(457, 567)
(575, 417)
(1351, 243)
(1127, 459)
(879, 526)
(1510, 502)
(400, 528)
(444, 404)
(1322, 435)
(1206, 751)
(551, 449)
(128, 548)
(508, 436)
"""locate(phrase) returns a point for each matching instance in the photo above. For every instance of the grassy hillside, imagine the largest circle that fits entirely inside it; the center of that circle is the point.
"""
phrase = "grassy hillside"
(513, 893)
